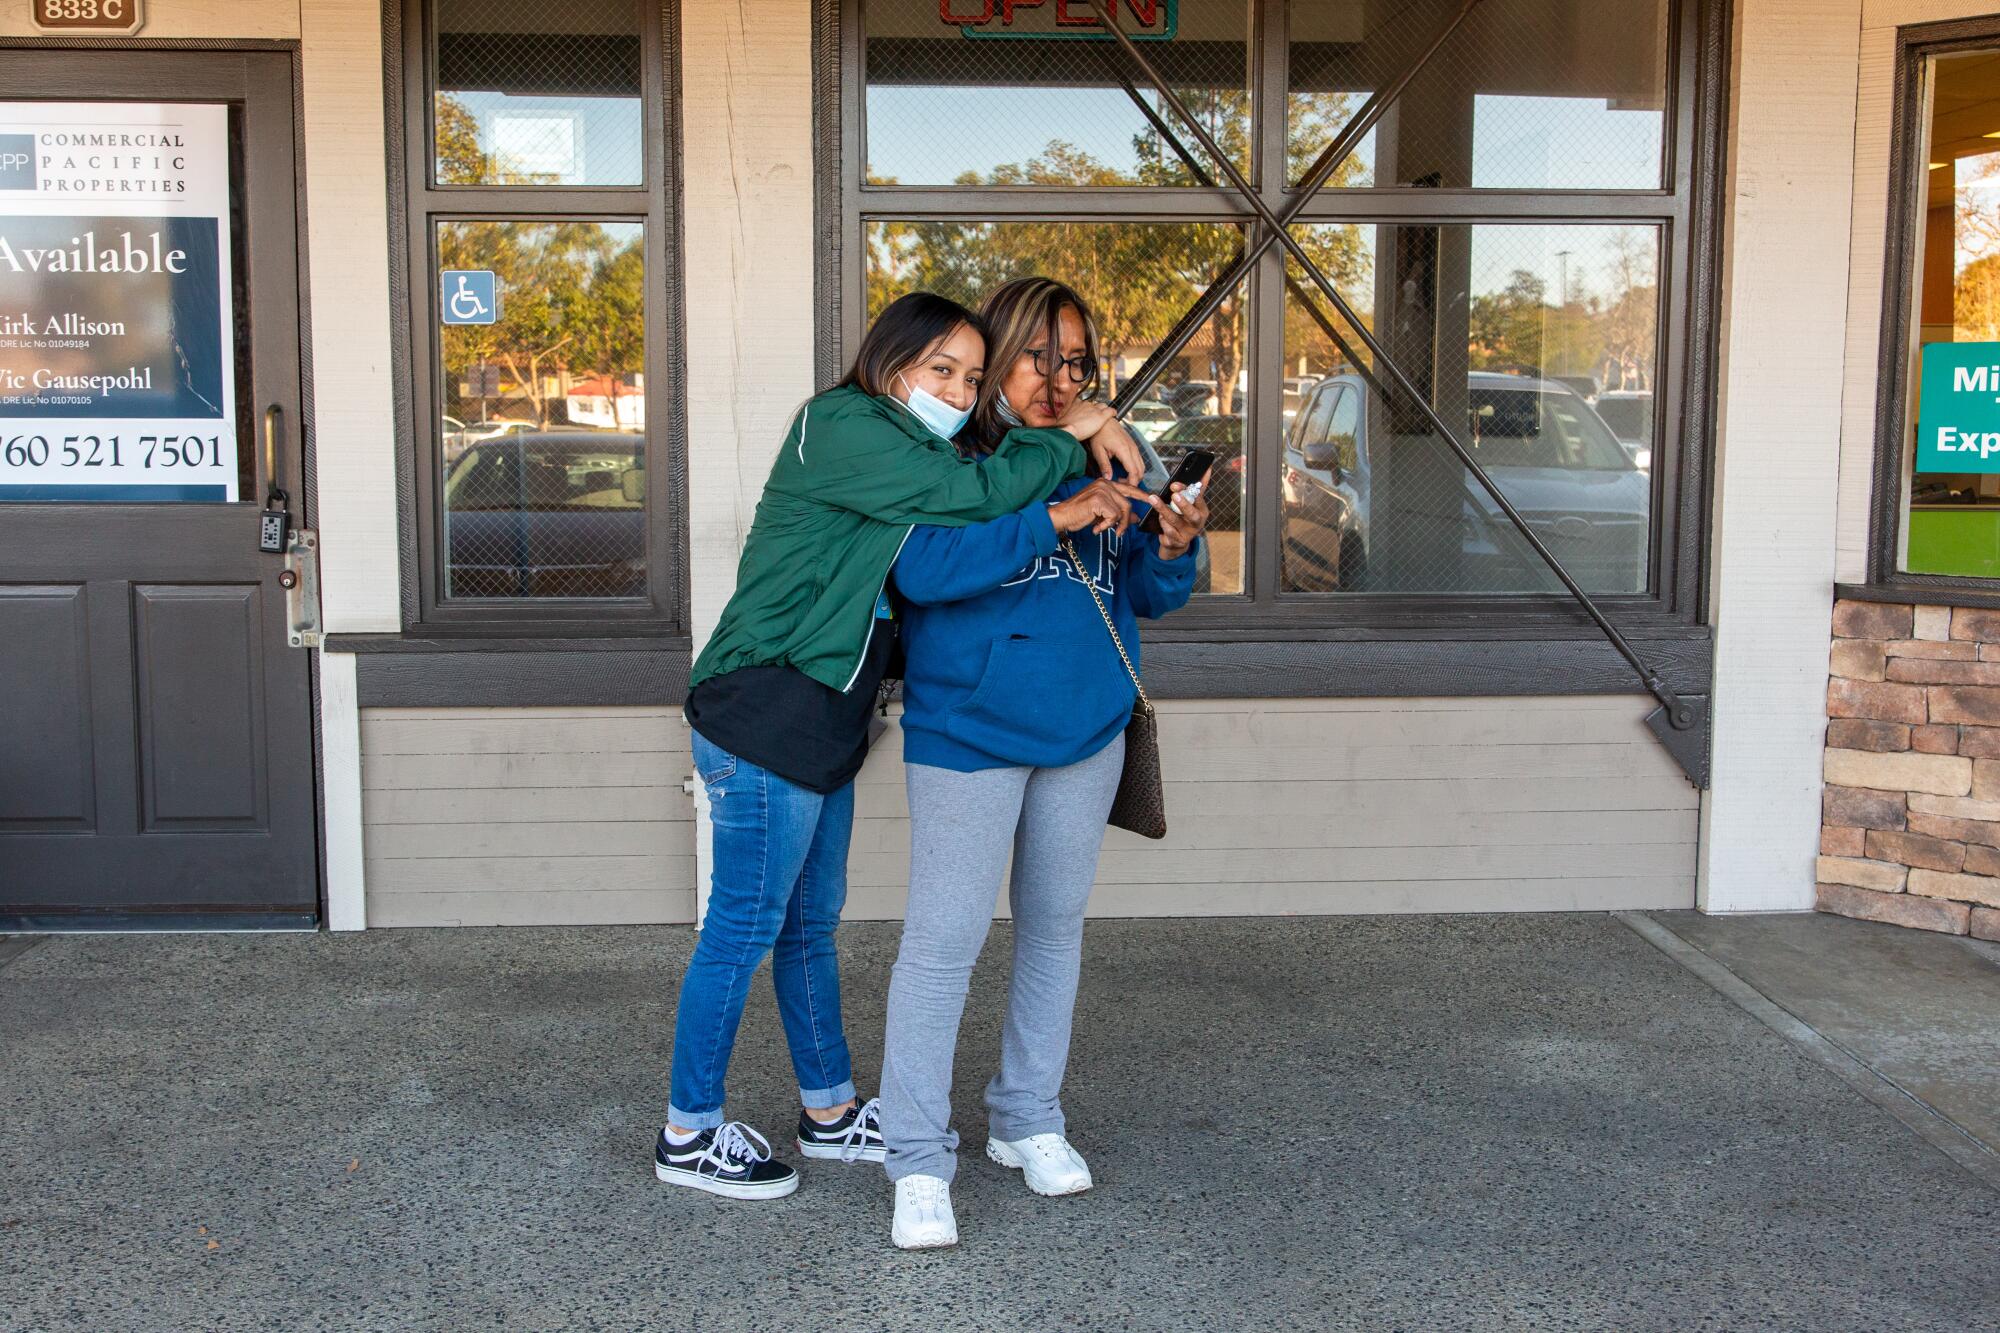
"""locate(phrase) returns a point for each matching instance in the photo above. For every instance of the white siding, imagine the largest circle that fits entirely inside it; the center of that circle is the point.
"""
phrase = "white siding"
(353, 386)
(747, 242)
(1778, 445)
(526, 816)
(520, 816)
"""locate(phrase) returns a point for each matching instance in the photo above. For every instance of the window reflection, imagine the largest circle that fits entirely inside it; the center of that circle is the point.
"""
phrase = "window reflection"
(975, 93)
(543, 431)
(1525, 94)
(543, 93)
(1516, 333)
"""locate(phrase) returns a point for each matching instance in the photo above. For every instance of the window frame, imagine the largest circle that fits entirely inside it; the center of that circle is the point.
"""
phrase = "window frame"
(1687, 207)
(417, 206)
(1909, 147)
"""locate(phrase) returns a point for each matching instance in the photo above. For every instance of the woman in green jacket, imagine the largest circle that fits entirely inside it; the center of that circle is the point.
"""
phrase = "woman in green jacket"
(780, 702)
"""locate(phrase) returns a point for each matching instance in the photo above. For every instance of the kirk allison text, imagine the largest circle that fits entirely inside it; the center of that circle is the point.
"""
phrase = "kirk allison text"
(68, 324)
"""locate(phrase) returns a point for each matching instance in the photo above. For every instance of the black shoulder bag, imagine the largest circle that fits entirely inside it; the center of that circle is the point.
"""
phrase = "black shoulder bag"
(1141, 803)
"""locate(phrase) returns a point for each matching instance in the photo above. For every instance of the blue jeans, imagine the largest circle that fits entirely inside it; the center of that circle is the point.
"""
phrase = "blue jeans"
(780, 881)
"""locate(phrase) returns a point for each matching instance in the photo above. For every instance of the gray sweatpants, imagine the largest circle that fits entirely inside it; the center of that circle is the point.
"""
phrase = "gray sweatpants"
(961, 828)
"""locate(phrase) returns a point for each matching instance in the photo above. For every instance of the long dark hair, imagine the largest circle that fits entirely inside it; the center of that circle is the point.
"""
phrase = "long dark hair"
(904, 334)
(1024, 313)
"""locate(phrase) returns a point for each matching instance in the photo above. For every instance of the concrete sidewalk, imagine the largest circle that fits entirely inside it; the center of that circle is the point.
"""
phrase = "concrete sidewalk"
(1422, 1123)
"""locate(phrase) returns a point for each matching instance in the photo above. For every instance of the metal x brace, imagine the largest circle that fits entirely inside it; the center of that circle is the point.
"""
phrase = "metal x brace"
(1679, 723)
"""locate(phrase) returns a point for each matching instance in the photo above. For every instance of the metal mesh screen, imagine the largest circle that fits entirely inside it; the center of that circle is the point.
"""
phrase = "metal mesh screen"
(537, 92)
(543, 433)
(1138, 279)
(968, 92)
(1527, 94)
(1518, 331)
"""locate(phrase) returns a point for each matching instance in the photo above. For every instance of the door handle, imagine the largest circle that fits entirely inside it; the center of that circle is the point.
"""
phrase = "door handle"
(271, 418)
(299, 546)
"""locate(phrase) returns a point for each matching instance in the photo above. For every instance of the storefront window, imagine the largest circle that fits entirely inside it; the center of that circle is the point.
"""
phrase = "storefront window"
(1527, 95)
(994, 92)
(1512, 229)
(541, 212)
(537, 94)
(1528, 335)
(1952, 496)
(544, 425)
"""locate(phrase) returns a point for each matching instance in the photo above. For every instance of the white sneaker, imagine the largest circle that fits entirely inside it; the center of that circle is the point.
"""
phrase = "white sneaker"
(1048, 1163)
(924, 1219)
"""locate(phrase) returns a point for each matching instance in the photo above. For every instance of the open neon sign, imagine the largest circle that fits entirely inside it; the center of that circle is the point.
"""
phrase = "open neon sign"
(1143, 20)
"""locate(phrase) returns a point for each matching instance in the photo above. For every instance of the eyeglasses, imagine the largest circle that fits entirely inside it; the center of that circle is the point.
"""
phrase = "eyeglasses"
(1078, 366)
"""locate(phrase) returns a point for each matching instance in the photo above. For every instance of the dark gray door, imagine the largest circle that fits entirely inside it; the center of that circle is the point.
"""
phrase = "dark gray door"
(156, 756)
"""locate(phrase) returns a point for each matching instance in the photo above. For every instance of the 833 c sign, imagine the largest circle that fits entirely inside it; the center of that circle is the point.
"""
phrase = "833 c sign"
(98, 17)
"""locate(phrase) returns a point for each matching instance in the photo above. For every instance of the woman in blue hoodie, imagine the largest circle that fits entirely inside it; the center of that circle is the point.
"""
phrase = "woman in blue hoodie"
(1015, 708)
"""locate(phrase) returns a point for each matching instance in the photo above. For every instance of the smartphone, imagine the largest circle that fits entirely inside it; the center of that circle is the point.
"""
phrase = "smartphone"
(1194, 465)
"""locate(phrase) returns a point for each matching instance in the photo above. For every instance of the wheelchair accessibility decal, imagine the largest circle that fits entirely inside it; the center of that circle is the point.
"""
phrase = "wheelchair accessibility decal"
(466, 296)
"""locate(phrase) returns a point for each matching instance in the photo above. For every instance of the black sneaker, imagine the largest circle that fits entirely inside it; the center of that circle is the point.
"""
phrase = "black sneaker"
(733, 1161)
(855, 1137)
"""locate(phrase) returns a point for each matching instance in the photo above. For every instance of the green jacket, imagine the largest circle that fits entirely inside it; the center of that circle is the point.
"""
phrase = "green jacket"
(856, 473)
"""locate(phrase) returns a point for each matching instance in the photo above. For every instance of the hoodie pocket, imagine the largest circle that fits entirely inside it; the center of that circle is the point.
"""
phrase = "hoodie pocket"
(1040, 701)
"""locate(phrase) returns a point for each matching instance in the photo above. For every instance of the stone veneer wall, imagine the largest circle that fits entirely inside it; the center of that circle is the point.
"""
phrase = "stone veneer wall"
(1910, 820)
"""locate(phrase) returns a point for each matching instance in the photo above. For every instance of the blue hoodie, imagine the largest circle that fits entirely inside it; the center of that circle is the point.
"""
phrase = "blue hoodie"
(1007, 661)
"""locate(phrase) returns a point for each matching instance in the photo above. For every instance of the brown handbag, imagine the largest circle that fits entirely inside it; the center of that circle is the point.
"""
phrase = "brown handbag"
(1141, 803)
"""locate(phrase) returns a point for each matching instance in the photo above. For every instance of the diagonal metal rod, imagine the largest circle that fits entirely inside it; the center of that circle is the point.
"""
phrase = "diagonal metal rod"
(1298, 289)
(1679, 713)
(1317, 175)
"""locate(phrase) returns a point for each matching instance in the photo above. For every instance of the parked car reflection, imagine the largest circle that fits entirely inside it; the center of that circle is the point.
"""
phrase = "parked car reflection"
(1223, 437)
(1629, 414)
(558, 514)
(1550, 454)
(1147, 419)
(458, 436)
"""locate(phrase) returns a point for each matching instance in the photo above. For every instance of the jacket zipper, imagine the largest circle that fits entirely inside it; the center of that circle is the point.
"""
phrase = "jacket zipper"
(872, 617)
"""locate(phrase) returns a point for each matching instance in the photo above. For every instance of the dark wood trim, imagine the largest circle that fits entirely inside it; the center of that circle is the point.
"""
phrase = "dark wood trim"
(1922, 590)
(83, 923)
(1414, 669)
(409, 672)
(1195, 204)
(465, 643)
(26, 42)
(1706, 86)
(1908, 155)
(416, 205)
(826, 83)
(556, 676)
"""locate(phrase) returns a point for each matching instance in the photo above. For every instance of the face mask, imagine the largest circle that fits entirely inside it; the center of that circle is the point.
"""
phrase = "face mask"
(944, 420)
(1006, 411)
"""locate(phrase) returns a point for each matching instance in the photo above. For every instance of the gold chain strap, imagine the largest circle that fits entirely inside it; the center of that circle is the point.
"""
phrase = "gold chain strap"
(1090, 585)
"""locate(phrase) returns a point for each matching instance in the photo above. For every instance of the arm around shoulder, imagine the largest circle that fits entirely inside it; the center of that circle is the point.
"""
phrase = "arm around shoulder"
(940, 564)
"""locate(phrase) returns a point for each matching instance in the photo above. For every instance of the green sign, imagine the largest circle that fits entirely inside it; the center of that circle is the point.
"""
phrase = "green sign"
(1958, 416)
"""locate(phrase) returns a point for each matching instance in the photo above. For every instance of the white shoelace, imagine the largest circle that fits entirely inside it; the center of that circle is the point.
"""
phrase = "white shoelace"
(1052, 1148)
(869, 1117)
(736, 1143)
(929, 1194)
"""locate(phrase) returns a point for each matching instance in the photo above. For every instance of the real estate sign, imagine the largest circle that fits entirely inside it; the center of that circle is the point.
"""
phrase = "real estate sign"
(117, 344)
